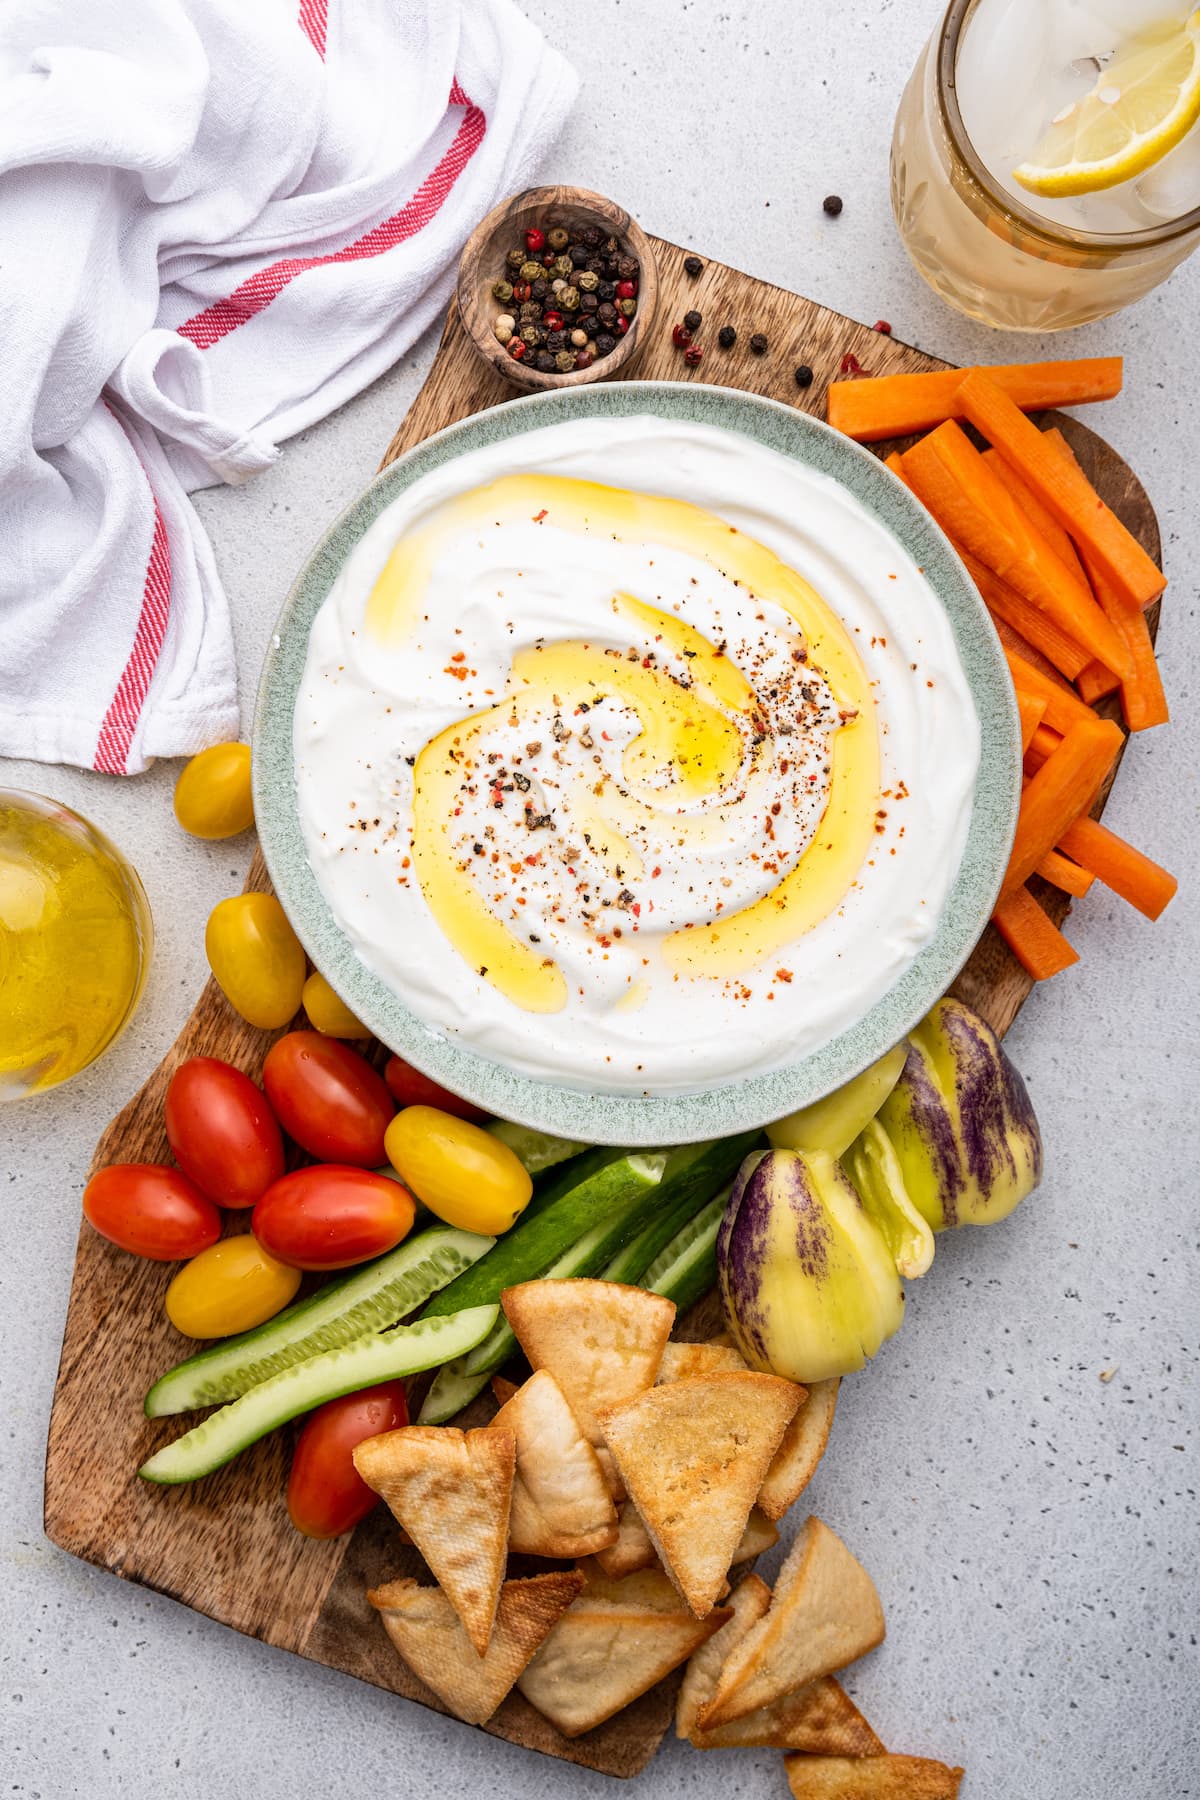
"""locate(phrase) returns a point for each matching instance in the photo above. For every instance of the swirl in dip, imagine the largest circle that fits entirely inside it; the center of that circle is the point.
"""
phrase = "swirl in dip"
(634, 755)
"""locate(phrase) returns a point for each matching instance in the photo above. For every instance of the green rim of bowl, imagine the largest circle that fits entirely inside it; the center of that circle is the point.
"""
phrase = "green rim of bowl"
(670, 1118)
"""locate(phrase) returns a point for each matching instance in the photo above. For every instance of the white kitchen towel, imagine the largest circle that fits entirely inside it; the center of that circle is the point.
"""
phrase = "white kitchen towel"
(219, 219)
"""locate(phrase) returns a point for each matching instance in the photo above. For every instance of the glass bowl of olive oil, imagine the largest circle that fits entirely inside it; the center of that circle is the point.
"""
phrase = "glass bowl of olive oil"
(75, 942)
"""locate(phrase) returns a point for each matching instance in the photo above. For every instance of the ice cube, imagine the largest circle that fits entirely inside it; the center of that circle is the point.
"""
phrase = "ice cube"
(1171, 187)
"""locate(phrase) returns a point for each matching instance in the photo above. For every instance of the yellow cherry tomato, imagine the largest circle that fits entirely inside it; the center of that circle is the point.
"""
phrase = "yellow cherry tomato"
(461, 1173)
(328, 1012)
(257, 959)
(232, 1286)
(212, 796)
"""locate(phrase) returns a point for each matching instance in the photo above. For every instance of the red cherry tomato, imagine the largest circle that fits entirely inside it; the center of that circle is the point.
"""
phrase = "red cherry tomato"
(151, 1210)
(331, 1216)
(328, 1098)
(222, 1131)
(326, 1495)
(411, 1088)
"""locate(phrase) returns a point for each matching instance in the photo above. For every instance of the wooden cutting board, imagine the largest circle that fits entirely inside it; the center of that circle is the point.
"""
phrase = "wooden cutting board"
(224, 1545)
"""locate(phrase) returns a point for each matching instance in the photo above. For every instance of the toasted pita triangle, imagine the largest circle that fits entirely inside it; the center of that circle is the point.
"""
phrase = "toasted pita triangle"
(821, 1719)
(601, 1341)
(693, 1455)
(747, 1605)
(759, 1537)
(647, 1590)
(870, 1778)
(795, 1461)
(632, 1549)
(561, 1505)
(504, 1389)
(429, 1635)
(451, 1491)
(683, 1362)
(608, 1648)
(825, 1612)
(612, 1475)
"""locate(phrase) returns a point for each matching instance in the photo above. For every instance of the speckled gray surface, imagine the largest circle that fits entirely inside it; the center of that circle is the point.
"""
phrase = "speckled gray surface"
(1032, 1529)
(736, 1106)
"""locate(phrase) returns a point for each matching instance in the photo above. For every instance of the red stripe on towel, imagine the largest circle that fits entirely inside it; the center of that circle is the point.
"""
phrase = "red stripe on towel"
(254, 295)
(120, 721)
(313, 20)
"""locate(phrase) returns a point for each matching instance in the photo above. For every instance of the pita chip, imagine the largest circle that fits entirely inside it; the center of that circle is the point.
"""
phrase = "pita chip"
(429, 1635)
(601, 1341)
(451, 1490)
(759, 1537)
(611, 1645)
(747, 1605)
(612, 1475)
(693, 1455)
(504, 1389)
(824, 1613)
(632, 1550)
(803, 1446)
(870, 1778)
(561, 1506)
(821, 1719)
(681, 1362)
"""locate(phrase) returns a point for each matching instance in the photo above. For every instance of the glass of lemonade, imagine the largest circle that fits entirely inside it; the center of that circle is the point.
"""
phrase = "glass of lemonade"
(1046, 158)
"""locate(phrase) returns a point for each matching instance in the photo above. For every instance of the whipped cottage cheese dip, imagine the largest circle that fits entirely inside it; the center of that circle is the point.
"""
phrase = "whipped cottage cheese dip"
(634, 755)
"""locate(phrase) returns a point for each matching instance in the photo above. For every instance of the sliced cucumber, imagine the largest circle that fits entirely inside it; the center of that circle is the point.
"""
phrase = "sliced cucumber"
(692, 1175)
(687, 1268)
(369, 1299)
(457, 1384)
(566, 1212)
(537, 1150)
(384, 1356)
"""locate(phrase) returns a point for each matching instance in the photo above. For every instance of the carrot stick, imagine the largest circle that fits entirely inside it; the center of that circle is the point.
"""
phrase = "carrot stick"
(1095, 682)
(1015, 645)
(1064, 708)
(1143, 698)
(1145, 884)
(895, 463)
(1042, 746)
(1042, 520)
(1036, 942)
(1060, 872)
(1066, 492)
(1063, 788)
(1031, 710)
(885, 406)
(950, 476)
(1035, 627)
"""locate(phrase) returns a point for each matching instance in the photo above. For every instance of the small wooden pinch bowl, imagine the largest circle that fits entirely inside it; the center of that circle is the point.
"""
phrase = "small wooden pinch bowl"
(483, 264)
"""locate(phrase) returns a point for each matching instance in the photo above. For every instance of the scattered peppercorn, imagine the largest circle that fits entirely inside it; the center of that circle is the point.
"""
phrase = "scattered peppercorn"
(535, 240)
(681, 337)
(564, 361)
(558, 237)
(605, 344)
(502, 291)
(693, 354)
(584, 359)
(692, 320)
(833, 204)
(693, 266)
(882, 325)
(516, 348)
(727, 337)
(759, 344)
(544, 362)
(804, 376)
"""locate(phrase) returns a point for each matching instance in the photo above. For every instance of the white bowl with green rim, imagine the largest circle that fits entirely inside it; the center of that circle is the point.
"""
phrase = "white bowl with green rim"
(571, 1111)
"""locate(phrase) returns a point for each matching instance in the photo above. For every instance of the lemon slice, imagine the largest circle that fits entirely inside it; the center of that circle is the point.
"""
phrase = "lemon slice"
(1143, 104)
